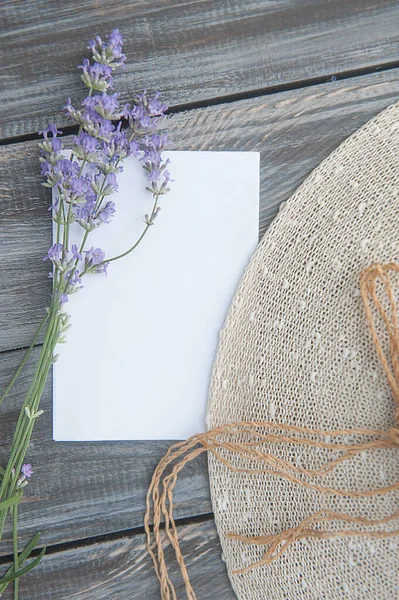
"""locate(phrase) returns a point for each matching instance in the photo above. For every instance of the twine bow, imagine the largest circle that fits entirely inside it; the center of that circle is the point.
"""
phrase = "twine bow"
(226, 441)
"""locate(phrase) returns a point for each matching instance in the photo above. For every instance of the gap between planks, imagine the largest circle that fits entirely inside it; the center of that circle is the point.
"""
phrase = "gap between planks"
(236, 97)
(108, 537)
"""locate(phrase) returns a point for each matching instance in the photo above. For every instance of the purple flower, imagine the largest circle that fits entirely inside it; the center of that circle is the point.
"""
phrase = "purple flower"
(105, 105)
(145, 111)
(166, 176)
(56, 144)
(155, 106)
(66, 169)
(157, 141)
(97, 41)
(50, 149)
(75, 253)
(55, 253)
(27, 470)
(94, 262)
(134, 148)
(115, 38)
(45, 168)
(78, 186)
(109, 52)
(154, 175)
(107, 212)
(103, 268)
(85, 144)
(87, 212)
(153, 162)
(111, 183)
(63, 298)
(51, 128)
(95, 256)
(72, 283)
(73, 277)
(96, 76)
(69, 108)
(119, 146)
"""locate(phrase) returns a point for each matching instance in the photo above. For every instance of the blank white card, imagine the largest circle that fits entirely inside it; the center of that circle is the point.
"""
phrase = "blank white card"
(139, 355)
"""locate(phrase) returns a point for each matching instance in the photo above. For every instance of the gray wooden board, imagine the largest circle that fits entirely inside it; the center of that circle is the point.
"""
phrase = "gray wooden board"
(293, 131)
(189, 50)
(81, 490)
(122, 569)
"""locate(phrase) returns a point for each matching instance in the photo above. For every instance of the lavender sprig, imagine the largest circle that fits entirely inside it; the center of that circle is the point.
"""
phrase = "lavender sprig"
(83, 179)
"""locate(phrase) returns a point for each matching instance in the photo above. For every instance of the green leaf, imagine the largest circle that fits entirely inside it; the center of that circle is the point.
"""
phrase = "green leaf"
(28, 548)
(12, 576)
(22, 558)
(6, 504)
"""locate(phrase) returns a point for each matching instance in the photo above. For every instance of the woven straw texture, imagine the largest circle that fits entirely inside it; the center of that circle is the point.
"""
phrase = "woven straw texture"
(296, 349)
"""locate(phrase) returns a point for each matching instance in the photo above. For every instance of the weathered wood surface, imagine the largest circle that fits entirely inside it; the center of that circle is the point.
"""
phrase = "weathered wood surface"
(192, 52)
(293, 131)
(122, 569)
(189, 50)
(82, 490)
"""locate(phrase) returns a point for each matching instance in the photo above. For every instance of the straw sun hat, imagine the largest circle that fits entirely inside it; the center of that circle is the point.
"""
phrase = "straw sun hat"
(305, 376)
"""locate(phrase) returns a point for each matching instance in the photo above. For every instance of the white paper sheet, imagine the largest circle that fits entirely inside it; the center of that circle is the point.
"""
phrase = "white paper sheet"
(139, 355)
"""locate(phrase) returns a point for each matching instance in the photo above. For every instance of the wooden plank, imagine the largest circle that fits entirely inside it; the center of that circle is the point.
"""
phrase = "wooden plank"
(122, 569)
(191, 51)
(82, 490)
(293, 131)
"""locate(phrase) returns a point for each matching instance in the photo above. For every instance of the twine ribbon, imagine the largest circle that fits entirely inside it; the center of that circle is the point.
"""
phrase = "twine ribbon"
(226, 441)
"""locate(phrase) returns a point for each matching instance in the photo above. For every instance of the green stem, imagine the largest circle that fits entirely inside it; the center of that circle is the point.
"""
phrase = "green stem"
(24, 360)
(22, 440)
(25, 425)
(23, 429)
(53, 318)
(15, 547)
(148, 225)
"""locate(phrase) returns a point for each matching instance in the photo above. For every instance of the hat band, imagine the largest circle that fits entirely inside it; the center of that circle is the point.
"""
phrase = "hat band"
(226, 441)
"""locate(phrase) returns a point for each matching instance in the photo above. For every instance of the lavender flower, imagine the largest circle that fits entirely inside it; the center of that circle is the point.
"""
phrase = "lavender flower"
(102, 107)
(82, 182)
(75, 253)
(54, 253)
(85, 214)
(107, 212)
(27, 470)
(85, 146)
(110, 52)
(94, 256)
(96, 76)
(91, 118)
(118, 148)
(63, 298)
(109, 185)
(94, 261)
(157, 173)
(50, 154)
(143, 115)
(72, 281)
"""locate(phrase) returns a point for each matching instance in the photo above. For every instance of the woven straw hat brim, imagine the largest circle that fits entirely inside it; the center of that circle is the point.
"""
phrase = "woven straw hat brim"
(296, 349)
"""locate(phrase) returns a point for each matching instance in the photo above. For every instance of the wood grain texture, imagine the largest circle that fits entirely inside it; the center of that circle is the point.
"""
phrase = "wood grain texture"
(80, 490)
(293, 131)
(189, 50)
(122, 569)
